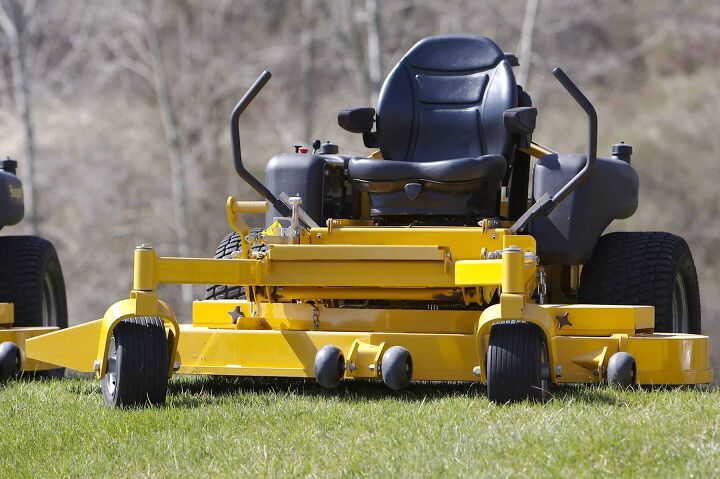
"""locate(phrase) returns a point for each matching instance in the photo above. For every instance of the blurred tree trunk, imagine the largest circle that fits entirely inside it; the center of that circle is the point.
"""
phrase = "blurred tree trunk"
(307, 42)
(525, 45)
(351, 35)
(364, 45)
(13, 20)
(175, 153)
(374, 50)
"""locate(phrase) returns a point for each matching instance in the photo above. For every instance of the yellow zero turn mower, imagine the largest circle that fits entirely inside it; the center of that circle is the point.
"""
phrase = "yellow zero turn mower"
(32, 289)
(427, 260)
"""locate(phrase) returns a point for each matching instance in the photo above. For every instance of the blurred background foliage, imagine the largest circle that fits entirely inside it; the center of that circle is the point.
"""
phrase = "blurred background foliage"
(126, 104)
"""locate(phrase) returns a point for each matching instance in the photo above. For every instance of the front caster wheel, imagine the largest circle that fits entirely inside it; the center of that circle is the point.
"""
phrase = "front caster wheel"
(9, 360)
(621, 370)
(517, 363)
(397, 368)
(137, 368)
(329, 366)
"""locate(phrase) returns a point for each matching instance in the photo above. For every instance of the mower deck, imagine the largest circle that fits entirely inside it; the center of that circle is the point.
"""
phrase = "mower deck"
(281, 331)
(18, 336)
(282, 343)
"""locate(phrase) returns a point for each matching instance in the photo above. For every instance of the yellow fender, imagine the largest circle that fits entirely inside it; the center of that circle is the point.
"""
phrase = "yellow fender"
(85, 347)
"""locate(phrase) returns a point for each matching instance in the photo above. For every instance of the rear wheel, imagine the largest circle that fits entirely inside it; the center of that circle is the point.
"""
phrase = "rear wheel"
(31, 279)
(228, 247)
(645, 268)
(517, 363)
(137, 363)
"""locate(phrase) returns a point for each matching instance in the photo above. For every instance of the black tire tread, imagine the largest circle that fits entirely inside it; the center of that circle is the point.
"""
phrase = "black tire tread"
(513, 362)
(23, 262)
(229, 245)
(639, 268)
(144, 361)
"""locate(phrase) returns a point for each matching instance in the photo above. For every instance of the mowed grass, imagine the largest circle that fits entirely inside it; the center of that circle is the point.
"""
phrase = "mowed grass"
(216, 427)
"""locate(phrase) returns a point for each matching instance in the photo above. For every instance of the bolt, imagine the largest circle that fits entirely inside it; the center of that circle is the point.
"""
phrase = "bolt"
(353, 367)
(558, 370)
(176, 365)
(143, 246)
(494, 236)
(371, 367)
(96, 365)
(319, 236)
(477, 371)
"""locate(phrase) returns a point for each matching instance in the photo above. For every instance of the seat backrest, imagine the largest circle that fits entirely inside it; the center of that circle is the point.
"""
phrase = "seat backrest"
(445, 99)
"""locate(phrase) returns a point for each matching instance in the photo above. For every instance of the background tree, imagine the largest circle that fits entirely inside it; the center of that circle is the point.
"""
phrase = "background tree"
(15, 19)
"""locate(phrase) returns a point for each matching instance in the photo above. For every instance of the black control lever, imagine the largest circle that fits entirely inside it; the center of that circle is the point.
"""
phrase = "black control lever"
(256, 184)
(547, 203)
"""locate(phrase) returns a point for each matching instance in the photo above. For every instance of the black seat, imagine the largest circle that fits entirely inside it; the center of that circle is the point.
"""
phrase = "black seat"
(440, 126)
(459, 169)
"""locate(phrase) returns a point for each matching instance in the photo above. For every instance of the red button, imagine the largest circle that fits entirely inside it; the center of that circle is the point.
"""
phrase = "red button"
(303, 149)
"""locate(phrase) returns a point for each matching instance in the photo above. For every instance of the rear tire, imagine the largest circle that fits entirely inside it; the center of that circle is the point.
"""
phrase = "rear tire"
(229, 246)
(138, 362)
(516, 359)
(645, 268)
(31, 279)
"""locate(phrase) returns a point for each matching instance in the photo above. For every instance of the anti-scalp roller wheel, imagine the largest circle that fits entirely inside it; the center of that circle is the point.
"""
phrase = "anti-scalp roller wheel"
(9, 360)
(621, 370)
(397, 368)
(329, 366)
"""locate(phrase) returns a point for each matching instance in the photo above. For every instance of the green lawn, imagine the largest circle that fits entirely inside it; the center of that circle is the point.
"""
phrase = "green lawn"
(248, 428)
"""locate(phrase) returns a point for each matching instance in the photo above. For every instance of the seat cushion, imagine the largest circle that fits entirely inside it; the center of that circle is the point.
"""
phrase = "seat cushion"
(459, 169)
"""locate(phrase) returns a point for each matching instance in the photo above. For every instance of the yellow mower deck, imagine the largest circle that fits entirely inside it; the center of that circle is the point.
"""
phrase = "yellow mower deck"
(294, 309)
(19, 336)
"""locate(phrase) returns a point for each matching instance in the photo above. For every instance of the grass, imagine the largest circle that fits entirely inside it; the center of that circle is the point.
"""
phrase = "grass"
(216, 427)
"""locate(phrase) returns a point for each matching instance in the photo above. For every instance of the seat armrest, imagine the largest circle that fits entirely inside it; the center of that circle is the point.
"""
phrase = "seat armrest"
(521, 123)
(521, 120)
(357, 120)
